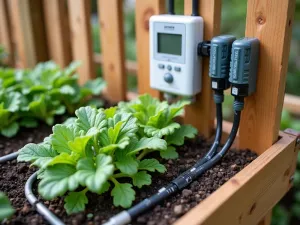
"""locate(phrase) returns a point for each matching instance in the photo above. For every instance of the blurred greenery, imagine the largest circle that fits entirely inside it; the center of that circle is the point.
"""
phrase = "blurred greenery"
(233, 22)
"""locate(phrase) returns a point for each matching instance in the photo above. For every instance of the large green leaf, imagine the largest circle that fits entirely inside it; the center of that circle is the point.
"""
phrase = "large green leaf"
(170, 153)
(75, 202)
(141, 178)
(123, 195)
(4, 116)
(96, 86)
(151, 165)
(160, 132)
(12, 101)
(129, 125)
(5, 207)
(65, 158)
(177, 138)
(153, 143)
(94, 174)
(121, 129)
(89, 117)
(161, 123)
(62, 134)
(10, 130)
(57, 180)
(39, 154)
(143, 108)
(125, 163)
(79, 144)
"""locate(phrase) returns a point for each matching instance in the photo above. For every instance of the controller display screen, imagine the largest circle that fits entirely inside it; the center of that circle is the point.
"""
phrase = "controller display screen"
(169, 43)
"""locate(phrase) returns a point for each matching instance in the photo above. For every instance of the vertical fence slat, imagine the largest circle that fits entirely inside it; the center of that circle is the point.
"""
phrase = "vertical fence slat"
(112, 43)
(144, 10)
(81, 40)
(271, 22)
(29, 31)
(5, 32)
(201, 113)
(57, 30)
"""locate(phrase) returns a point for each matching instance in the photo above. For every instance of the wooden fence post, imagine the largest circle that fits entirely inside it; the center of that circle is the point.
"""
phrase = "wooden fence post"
(5, 32)
(58, 31)
(29, 31)
(144, 10)
(201, 113)
(271, 22)
(112, 43)
(81, 40)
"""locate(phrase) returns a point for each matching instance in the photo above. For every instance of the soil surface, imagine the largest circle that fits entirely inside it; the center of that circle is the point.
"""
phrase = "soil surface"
(24, 136)
(99, 209)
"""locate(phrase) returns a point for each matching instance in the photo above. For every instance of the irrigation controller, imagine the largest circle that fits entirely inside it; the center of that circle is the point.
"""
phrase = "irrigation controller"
(175, 66)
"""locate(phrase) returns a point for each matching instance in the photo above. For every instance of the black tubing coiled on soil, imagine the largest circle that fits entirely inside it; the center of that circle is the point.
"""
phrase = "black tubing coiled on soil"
(40, 207)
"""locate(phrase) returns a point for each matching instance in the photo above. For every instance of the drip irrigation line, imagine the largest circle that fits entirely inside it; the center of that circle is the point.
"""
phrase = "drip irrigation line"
(8, 157)
(215, 145)
(179, 183)
(40, 207)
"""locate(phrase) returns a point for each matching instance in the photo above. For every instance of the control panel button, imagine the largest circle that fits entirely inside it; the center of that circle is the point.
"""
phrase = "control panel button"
(161, 66)
(177, 69)
(168, 78)
(169, 67)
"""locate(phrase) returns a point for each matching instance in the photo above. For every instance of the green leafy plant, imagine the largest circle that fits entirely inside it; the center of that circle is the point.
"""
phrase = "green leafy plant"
(6, 209)
(156, 119)
(29, 96)
(100, 147)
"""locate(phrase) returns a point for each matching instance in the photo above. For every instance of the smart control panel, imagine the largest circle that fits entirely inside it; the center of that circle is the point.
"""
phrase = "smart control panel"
(175, 66)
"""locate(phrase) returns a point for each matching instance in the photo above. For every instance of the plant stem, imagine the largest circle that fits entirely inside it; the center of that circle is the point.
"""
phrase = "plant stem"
(119, 175)
(143, 154)
(85, 190)
(114, 180)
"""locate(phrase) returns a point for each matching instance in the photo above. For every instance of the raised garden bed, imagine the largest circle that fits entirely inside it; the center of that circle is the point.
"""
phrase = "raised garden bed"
(13, 177)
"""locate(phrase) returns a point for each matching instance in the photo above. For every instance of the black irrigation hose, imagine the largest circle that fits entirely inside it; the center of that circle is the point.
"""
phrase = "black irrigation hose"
(213, 149)
(171, 7)
(40, 207)
(195, 8)
(8, 157)
(180, 182)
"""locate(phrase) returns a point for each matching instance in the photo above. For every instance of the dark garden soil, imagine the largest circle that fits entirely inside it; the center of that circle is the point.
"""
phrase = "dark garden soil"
(100, 208)
(36, 135)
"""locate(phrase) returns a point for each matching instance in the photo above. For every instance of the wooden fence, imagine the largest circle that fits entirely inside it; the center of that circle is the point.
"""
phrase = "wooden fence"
(37, 30)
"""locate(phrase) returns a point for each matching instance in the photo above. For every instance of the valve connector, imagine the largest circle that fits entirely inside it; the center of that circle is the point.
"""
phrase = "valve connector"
(244, 66)
(219, 63)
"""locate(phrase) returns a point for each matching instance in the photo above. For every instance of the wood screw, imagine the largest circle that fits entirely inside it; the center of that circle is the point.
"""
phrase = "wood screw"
(298, 143)
(291, 179)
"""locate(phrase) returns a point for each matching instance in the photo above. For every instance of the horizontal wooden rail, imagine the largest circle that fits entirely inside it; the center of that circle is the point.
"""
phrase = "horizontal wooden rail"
(130, 66)
(292, 103)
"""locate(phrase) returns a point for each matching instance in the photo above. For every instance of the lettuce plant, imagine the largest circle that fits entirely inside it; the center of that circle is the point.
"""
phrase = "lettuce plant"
(104, 150)
(5, 207)
(29, 96)
(156, 119)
